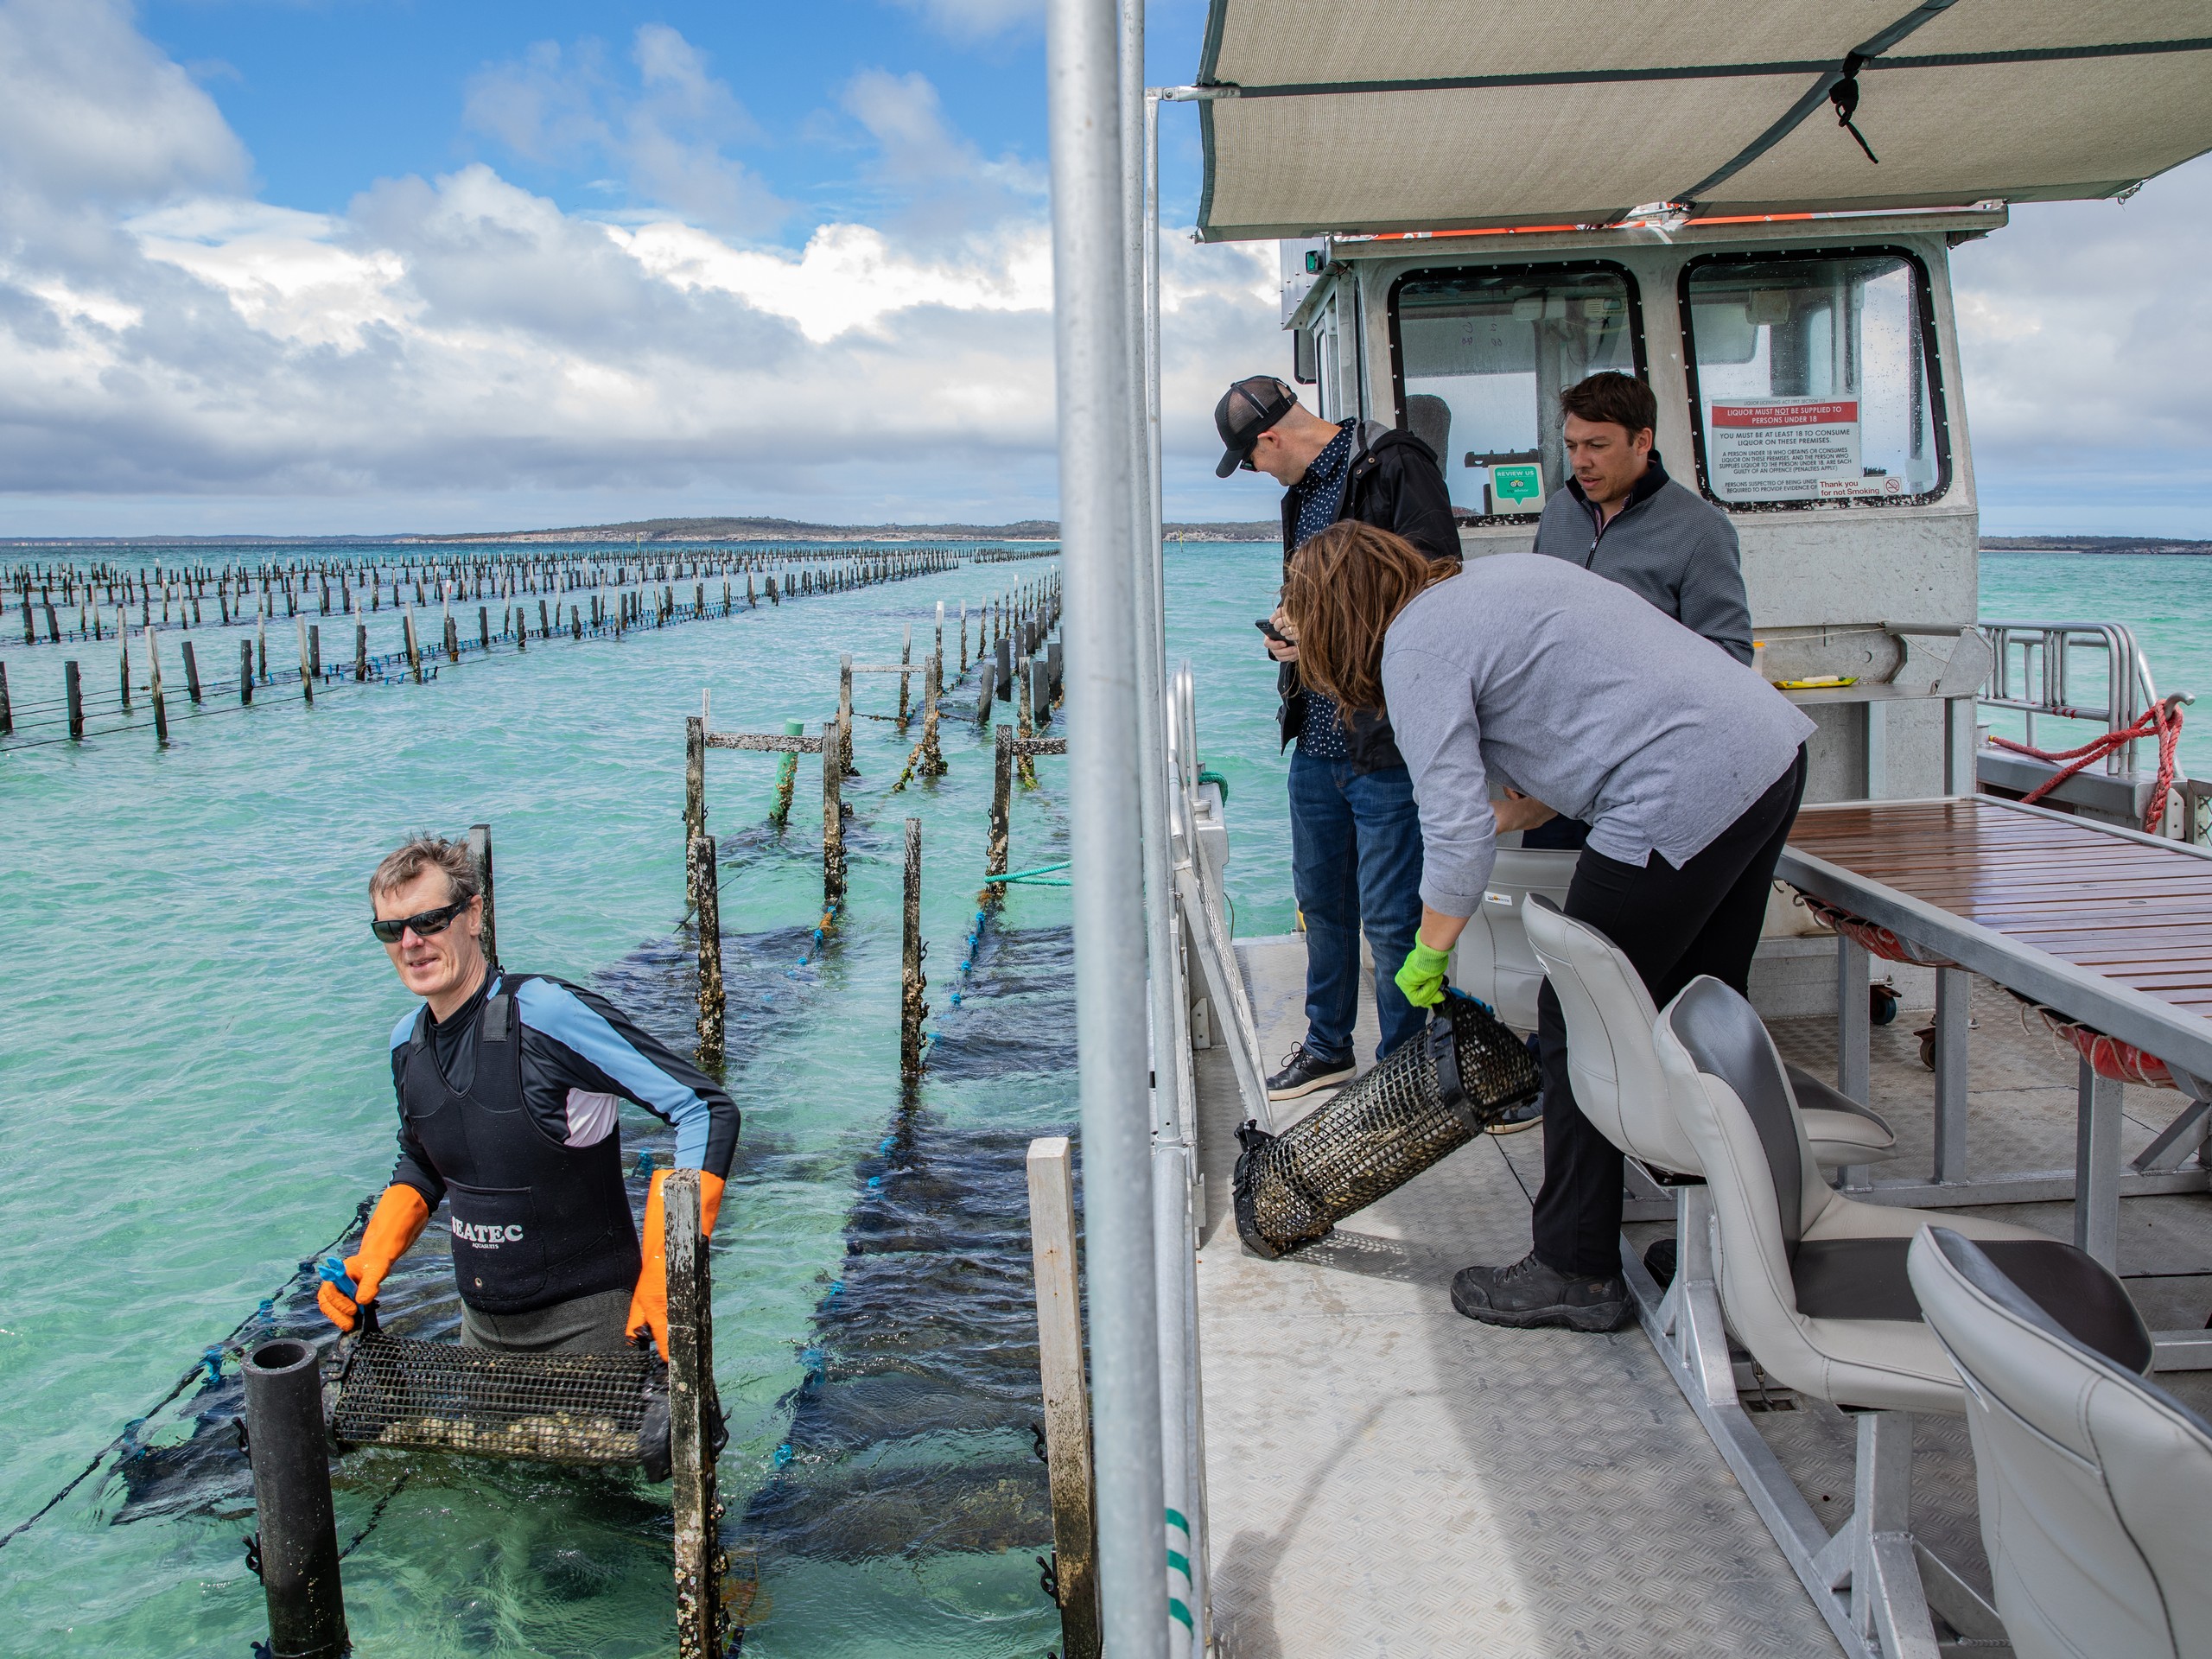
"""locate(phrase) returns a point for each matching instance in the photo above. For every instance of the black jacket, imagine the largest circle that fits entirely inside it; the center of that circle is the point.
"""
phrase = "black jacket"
(1393, 483)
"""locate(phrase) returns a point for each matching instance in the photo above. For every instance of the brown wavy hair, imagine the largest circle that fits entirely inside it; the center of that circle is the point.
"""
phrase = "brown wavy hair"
(1343, 589)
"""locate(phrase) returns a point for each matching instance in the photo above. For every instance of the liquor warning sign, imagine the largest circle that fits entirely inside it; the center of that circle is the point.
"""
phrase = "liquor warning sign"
(1785, 448)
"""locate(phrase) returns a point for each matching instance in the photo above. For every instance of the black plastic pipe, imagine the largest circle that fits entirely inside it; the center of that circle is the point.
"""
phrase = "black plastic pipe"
(291, 1488)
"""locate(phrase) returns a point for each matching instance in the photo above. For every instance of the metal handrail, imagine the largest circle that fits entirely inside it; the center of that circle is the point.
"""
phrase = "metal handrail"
(2033, 672)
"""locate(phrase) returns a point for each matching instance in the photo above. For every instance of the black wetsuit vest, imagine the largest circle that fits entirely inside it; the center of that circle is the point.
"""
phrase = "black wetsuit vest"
(534, 1222)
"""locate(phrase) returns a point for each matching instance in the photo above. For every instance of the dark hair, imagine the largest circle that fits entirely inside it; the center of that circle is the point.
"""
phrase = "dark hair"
(1620, 398)
(1345, 587)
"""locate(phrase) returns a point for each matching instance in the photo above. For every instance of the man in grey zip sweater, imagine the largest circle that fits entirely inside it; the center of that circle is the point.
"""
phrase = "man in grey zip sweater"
(1622, 517)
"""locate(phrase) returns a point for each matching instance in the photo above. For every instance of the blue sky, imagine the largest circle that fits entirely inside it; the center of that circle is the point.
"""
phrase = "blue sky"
(366, 265)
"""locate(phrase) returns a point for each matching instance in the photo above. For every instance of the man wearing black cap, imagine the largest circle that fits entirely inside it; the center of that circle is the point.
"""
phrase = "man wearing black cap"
(1355, 835)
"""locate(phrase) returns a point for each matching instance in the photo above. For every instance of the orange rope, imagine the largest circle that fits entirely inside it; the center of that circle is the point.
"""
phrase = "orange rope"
(2163, 718)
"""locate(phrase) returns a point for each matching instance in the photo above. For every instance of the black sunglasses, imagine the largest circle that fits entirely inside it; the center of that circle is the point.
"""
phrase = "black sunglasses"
(429, 922)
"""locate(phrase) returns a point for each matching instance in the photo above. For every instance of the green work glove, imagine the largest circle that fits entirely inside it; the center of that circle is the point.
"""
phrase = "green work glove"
(1421, 977)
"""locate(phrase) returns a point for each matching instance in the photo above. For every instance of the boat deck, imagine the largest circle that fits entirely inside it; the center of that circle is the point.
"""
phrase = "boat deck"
(1386, 1477)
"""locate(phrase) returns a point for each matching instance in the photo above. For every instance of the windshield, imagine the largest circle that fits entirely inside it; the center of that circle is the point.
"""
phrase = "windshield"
(1483, 355)
(1813, 380)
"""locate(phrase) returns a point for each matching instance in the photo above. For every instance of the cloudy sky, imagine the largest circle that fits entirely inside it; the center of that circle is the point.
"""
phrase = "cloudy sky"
(363, 265)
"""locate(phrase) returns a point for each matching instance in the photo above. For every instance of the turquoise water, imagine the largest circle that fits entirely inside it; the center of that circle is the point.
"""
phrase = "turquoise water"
(194, 1093)
(2168, 601)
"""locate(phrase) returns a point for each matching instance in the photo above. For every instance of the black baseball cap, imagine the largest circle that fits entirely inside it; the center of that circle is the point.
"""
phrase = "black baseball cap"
(1246, 410)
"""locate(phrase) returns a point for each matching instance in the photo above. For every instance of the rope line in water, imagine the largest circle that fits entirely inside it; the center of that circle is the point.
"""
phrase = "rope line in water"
(206, 1369)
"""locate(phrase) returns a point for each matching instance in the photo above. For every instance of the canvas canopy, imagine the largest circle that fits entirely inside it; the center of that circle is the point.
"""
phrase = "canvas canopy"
(1404, 115)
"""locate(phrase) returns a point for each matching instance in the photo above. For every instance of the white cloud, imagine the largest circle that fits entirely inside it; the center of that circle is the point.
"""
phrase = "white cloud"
(978, 20)
(669, 132)
(463, 351)
(2086, 327)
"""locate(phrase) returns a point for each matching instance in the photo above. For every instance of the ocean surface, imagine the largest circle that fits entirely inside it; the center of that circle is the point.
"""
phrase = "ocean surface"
(194, 1096)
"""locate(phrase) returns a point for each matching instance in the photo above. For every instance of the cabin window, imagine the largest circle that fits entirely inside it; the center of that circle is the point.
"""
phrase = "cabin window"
(1814, 378)
(1482, 355)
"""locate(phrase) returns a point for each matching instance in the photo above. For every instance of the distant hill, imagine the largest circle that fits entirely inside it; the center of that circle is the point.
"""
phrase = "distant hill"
(2092, 544)
(792, 530)
(669, 529)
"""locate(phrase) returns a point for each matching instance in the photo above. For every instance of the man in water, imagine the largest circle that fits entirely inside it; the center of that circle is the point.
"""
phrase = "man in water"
(508, 1086)
(1355, 836)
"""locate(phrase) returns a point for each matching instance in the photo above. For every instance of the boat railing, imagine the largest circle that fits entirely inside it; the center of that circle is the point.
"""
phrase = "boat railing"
(2044, 669)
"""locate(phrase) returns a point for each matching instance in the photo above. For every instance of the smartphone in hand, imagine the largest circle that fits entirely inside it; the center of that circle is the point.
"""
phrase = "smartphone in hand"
(1266, 625)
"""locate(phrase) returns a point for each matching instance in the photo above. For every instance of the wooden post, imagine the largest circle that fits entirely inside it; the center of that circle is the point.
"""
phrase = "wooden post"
(751, 603)
(1067, 1401)
(695, 777)
(75, 688)
(479, 855)
(905, 661)
(413, 655)
(1040, 690)
(123, 639)
(706, 890)
(7, 711)
(986, 688)
(694, 1413)
(932, 756)
(361, 647)
(912, 981)
(833, 821)
(845, 716)
(937, 654)
(307, 679)
(1003, 657)
(1001, 786)
(779, 810)
(154, 690)
(963, 638)
(245, 671)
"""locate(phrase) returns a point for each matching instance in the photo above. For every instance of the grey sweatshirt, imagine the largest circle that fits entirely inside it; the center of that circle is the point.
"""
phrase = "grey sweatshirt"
(1677, 551)
(1528, 672)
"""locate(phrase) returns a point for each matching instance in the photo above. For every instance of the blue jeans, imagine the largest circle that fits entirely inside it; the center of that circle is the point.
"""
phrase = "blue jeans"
(1354, 856)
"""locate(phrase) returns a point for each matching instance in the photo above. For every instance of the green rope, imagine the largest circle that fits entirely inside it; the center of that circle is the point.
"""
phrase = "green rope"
(1030, 876)
(1208, 775)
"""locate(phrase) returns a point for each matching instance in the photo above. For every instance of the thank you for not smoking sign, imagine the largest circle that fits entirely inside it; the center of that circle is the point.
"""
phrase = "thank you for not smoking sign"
(1784, 448)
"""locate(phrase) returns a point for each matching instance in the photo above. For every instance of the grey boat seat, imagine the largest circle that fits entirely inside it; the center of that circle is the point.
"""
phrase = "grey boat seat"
(1810, 1283)
(2096, 1485)
(1615, 1069)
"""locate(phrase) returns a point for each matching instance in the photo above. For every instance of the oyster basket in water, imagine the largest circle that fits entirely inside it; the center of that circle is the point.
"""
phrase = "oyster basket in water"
(595, 1409)
(1427, 1098)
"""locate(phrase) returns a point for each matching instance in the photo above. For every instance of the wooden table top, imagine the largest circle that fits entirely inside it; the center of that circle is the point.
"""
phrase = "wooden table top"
(2137, 913)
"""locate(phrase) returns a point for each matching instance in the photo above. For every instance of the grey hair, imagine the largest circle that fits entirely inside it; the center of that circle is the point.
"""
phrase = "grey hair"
(428, 852)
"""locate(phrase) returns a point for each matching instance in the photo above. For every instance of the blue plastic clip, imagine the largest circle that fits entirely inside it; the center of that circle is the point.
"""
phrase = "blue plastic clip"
(332, 1271)
(956, 999)
(875, 1183)
(212, 1359)
(783, 1456)
(644, 1163)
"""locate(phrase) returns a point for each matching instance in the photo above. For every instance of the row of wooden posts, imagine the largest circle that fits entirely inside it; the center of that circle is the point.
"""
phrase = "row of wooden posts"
(1022, 618)
(627, 611)
(362, 588)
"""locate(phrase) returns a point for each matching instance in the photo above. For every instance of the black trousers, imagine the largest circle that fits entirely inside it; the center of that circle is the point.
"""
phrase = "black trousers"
(1674, 925)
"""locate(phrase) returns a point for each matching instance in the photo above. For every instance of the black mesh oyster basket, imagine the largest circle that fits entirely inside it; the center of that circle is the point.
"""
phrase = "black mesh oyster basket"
(1427, 1098)
(591, 1409)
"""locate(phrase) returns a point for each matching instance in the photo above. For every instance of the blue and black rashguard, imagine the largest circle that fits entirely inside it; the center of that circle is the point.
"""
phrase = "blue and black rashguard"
(581, 1055)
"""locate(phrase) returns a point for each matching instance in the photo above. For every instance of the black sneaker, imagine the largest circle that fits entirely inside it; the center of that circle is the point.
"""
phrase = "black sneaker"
(1526, 1115)
(1302, 1074)
(1529, 1294)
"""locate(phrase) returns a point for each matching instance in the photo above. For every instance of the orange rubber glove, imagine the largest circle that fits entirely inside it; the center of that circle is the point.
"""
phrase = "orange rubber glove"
(649, 1302)
(395, 1222)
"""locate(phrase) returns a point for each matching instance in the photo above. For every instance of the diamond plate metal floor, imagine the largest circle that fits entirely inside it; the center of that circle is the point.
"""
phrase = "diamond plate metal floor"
(1386, 1477)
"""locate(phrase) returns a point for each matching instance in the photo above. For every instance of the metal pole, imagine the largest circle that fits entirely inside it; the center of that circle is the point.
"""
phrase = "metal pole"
(296, 1548)
(1097, 428)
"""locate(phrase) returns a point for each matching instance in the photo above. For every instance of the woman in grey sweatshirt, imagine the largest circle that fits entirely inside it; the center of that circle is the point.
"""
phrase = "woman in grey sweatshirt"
(1574, 695)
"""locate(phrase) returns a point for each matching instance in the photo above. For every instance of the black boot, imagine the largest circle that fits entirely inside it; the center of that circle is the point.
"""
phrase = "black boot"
(1529, 1294)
